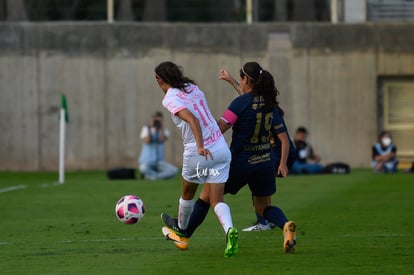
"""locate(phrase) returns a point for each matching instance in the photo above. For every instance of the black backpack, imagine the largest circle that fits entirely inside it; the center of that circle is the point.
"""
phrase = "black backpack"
(336, 168)
(121, 174)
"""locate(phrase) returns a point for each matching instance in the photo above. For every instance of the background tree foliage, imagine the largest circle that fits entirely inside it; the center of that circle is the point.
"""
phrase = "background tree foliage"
(164, 10)
(130, 10)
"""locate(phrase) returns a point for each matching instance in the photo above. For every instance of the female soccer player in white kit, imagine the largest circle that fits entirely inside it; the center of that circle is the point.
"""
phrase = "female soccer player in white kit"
(206, 158)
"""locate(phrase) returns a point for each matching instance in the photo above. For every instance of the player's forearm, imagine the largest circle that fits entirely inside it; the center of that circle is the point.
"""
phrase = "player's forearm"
(197, 132)
(284, 140)
(236, 86)
(226, 76)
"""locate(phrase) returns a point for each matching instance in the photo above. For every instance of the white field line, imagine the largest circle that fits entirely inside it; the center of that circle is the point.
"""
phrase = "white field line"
(50, 184)
(100, 240)
(12, 188)
(23, 186)
(356, 235)
(84, 241)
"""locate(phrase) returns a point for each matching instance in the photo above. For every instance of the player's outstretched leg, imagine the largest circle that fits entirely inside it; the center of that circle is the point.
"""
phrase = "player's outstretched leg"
(180, 242)
(172, 223)
(289, 236)
(198, 215)
(232, 245)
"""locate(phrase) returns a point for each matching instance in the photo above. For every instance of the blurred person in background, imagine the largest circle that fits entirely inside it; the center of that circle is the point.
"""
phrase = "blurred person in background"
(384, 154)
(307, 161)
(151, 161)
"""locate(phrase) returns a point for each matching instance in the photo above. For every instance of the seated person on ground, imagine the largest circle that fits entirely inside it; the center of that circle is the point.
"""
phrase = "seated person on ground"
(151, 160)
(384, 154)
(307, 161)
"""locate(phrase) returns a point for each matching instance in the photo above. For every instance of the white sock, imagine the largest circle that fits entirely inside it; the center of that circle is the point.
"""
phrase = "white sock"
(222, 211)
(184, 212)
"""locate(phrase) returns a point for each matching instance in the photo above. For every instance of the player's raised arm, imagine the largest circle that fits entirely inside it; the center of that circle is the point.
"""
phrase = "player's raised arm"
(226, 76)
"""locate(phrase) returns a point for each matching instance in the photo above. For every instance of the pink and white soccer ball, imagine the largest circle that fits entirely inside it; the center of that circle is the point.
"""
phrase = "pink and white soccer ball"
(130, 209)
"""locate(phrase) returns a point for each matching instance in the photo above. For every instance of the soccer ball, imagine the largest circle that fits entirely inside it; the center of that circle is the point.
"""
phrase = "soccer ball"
(129, 209)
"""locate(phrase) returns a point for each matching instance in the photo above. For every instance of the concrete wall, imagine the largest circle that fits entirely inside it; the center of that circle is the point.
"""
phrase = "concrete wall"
(327, 75)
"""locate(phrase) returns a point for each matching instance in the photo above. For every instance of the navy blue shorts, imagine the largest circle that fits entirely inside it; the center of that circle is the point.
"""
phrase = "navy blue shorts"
(259, 177)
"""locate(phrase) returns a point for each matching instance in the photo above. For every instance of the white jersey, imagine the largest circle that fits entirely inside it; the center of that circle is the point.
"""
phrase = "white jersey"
(194, 100)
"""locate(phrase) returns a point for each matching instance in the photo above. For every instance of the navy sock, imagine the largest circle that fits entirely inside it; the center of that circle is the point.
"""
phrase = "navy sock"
(275, 215)
(261, 220)
(198, 215)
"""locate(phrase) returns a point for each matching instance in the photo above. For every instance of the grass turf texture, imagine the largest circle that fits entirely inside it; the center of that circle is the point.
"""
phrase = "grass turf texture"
(361, 223)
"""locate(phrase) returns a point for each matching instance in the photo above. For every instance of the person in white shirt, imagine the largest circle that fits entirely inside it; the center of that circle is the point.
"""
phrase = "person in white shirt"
(206, 157)
(151, 161)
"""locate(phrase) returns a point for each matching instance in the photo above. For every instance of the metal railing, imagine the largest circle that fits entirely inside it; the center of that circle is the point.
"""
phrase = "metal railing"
(390, 10)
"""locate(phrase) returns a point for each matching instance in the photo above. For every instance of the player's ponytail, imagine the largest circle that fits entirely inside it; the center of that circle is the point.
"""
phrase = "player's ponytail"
(266, 85)
(263, 83)
(172, 74)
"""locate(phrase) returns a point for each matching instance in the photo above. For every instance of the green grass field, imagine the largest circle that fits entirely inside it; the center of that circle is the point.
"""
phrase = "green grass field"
(361, 223)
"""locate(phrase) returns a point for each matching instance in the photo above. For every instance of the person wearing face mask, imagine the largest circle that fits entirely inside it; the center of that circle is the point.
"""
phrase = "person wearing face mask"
(384, 154)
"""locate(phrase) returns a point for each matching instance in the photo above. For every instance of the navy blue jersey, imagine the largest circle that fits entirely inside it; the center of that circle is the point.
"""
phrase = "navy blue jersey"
(277, 145)
(252, 126)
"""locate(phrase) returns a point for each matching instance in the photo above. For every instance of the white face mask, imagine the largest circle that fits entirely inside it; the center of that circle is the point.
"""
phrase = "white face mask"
(386, 141)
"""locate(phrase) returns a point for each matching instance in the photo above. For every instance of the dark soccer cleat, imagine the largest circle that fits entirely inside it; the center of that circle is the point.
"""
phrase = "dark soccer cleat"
(173, 224)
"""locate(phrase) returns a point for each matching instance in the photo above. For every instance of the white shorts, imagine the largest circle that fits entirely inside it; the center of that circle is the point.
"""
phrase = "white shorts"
(197, 169)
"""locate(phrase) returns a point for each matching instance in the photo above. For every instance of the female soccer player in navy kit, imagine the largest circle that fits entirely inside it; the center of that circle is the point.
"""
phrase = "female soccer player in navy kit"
(253, 116)
(262, 224)
(206, 157)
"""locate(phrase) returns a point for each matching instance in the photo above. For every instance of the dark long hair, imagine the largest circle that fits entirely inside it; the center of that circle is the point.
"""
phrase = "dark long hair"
(172, 74)
(263, 84)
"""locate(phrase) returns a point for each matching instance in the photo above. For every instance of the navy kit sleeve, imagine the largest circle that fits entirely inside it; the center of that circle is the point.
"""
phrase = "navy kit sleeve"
(277, 124)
